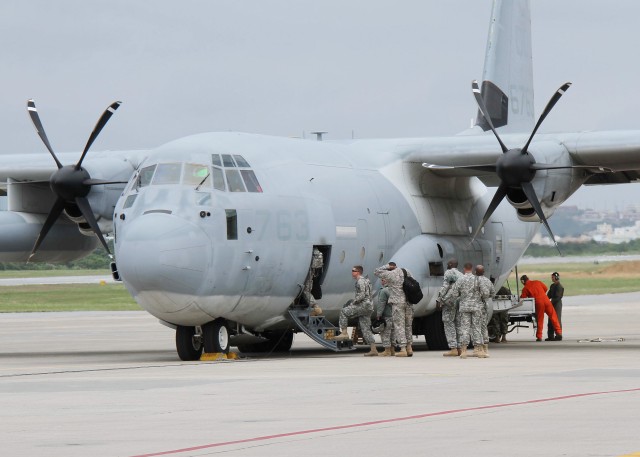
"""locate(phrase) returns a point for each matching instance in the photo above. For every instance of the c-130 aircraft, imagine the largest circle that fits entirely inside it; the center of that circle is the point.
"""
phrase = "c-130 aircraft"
(214, 233)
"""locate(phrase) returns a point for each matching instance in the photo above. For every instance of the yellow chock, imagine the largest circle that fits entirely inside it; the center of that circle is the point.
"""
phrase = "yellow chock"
(103, 282)
(213, 356)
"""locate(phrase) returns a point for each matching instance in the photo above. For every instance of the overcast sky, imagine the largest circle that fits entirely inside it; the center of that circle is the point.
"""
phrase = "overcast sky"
(371, 67)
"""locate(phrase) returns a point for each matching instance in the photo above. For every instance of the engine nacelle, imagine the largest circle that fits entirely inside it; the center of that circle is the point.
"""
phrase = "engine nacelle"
(19, 231)
(552, 187)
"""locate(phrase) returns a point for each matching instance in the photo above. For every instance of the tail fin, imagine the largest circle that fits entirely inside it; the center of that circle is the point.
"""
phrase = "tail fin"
(507, 81)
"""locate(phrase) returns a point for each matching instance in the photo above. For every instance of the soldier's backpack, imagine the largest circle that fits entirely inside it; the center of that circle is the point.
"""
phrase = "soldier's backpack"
(411, 288)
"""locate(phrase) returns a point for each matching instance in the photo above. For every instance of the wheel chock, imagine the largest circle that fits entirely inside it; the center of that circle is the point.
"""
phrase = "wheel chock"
(213, 356)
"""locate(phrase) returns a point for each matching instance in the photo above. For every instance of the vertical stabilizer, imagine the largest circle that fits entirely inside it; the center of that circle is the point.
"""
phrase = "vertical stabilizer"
(507, 81)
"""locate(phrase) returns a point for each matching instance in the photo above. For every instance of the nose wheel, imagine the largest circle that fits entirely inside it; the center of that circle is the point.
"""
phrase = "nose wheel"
(215, 337)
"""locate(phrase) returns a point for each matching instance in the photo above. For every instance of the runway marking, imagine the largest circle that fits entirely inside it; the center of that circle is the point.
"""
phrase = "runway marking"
(386, 421)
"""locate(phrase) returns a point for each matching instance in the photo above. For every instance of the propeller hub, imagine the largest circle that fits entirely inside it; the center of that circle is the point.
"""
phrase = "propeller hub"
(68, 183)
(513, 167)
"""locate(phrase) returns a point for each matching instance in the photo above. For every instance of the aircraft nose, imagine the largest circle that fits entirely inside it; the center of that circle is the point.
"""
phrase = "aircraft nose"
(163, 260)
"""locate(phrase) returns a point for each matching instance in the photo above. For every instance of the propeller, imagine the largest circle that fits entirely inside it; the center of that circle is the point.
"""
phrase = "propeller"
(71, 183)
(515, 168)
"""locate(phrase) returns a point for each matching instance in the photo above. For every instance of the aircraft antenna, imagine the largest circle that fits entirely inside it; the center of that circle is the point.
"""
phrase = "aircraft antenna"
(318, 135)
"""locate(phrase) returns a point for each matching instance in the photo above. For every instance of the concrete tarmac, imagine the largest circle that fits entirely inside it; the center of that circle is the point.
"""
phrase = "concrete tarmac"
(110, 384)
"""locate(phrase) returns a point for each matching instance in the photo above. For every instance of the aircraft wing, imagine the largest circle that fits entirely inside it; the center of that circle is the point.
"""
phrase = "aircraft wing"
(25, 167)
(611, 157)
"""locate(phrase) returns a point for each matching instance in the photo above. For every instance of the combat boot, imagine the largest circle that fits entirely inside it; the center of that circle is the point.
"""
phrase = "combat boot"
(344, 336)
(455, 352)
(409, 350)
(463, 352)
(485, 351)
(478, 351)
(402, 352)
(504, 338)
(373, 352)
(387, 353)
(393, 350)
(315, 311)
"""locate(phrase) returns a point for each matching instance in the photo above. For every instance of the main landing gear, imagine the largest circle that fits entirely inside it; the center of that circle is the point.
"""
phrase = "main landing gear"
(212, 337)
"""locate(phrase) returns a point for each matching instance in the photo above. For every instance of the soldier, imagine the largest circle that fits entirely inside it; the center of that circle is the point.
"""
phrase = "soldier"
(317, 262)
(402, 312)
(472, 290)
(538, 291)
(361, 307)
(555, 294)
(499, 324)
(485, 309)
(449, 306)
(383, 311)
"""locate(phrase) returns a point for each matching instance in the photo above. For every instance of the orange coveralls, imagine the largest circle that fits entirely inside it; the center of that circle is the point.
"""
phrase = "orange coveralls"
(538, 291)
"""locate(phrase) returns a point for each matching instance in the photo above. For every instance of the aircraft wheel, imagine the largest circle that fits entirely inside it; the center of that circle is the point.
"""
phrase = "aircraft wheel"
(434, 332)
(188, 343)
(216, 336)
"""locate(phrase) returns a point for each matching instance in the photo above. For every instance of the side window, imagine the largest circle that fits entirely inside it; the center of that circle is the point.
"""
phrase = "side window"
(144, 178)
(232, 224)
(215, 160)
(128, 203)
(235, 181)
(194, 174)
(251, 181)
(167, 173)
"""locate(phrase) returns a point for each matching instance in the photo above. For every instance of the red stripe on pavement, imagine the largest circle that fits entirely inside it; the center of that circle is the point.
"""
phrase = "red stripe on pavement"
(383, 421)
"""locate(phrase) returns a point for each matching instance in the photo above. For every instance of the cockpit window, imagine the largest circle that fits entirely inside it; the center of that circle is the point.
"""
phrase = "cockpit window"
(215, 159)
(251, 181)
(227, 160)
(196, 175)
(241, 162)
(167, 173)
(235, 181)
(144, 178)
(218, 179)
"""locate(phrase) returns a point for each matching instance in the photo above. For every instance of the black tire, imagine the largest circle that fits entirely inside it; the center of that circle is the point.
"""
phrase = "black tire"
(278, 342)
(434, 332)
(189, 347)
(215, 336)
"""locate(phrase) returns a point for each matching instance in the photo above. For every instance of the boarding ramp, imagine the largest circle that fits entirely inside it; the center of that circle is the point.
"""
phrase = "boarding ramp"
(319, 329)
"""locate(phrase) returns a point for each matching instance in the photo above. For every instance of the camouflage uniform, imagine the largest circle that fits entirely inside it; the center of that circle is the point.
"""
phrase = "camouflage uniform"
(473, 291)
(361, 307)
(450, 315)
(383, 311)
(402, 312)
(499, 322)
(317, 262)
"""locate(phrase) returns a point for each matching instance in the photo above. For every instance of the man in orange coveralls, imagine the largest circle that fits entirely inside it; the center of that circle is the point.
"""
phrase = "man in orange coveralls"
(538, 291)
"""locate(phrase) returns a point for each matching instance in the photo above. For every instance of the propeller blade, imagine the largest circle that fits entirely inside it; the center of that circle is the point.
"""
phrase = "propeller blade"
(54, 213)
(483, 109)
(497, 198)
(96, 182)
(35, 119)
(85, 209)
(554, 99)
(528, 190)
(593, 168)
(98, 128)
(433, 166)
